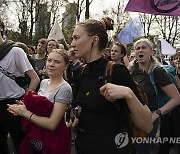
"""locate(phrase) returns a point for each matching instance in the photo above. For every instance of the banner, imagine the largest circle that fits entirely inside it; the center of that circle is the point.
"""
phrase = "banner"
(156, 7)
(56, 32)
(131, 31)
(166, 48)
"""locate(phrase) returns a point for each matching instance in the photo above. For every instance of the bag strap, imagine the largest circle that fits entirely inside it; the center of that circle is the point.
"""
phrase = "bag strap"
(5, 48)
(9, 75)
(82, 69)
(136, 132)
(151, 77)
(108, 72)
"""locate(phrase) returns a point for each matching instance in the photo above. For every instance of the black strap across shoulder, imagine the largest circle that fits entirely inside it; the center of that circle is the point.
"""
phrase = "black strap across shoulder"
(5, 48)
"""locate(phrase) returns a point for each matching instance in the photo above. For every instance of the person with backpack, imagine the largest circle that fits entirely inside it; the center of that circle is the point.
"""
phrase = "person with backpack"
(14, 64)
(170, 123)
(102, 121)
(144, 70)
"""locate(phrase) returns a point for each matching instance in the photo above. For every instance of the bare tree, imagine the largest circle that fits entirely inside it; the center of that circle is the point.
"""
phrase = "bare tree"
(88, 3)
(25, 10)
(29, 12)
(119, 16)
(169, 28)
(3, 2)
(55, 8)
(81, 6)
(147, 21)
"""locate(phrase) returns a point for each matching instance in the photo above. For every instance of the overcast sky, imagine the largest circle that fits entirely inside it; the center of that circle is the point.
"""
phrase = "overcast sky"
(98, 6)
(96, 9)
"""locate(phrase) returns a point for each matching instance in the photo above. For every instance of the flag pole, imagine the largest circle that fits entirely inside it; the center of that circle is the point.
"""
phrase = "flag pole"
(65, 42)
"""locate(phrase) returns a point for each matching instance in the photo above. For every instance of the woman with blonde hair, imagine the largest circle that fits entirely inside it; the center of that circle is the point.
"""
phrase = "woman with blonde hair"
(103, 118)
(141, 69)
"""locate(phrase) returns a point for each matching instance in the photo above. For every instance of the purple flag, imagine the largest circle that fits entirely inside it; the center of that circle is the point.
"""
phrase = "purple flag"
(156, 7)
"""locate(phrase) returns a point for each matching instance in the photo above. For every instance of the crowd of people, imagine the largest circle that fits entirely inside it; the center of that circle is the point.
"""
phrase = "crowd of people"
(50, 96)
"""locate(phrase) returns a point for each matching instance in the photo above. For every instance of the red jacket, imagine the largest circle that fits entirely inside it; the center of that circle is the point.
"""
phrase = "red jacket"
(40, 139)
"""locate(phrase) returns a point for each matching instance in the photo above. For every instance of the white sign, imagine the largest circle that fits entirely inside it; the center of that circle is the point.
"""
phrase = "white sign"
(56, 32)
(166, 48)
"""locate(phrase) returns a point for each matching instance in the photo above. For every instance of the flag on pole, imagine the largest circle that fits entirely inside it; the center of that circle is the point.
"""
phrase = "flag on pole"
(156, 7)
(166, 48)
(125, 36)
(136, 27)
(131, 31)
(56, 32)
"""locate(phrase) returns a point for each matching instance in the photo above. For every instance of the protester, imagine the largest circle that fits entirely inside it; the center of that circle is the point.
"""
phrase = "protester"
(170, 126)
(59, 92)
(107, 53)
(26, 50)
(132, 55)
(40, 56)
(177, 63)
(102, 118)
(14, 65)
(73, 70)
(140, 69)
(163, 60)
(171, 60)
(50, 45)
(71, 76)
(118, 52)
(31, 50)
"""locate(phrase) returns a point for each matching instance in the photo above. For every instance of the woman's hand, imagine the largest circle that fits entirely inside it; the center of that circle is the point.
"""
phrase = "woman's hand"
(112, 92)
(72, 119)
(17, 109)
(141, 115)
(72, 124)
(155, 116)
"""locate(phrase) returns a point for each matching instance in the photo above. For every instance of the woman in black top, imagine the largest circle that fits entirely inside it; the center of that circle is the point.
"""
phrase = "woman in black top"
(102, 116)
(141, 69)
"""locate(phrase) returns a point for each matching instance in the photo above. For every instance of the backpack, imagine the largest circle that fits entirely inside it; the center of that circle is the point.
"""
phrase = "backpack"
(4, 50)
(108, 73)
(161, 97)
(136, 132)
(133, 131)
